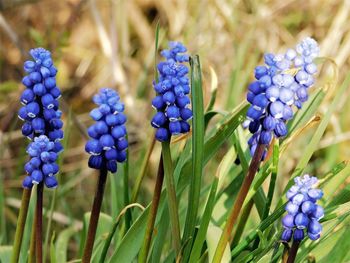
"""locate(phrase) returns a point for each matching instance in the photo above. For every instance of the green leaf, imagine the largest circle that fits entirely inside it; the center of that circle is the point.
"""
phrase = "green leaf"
(52, 249)
(132, 241)
(197, 152)
(212, 144)
(62, 242)
(160, 237)
(200, 238)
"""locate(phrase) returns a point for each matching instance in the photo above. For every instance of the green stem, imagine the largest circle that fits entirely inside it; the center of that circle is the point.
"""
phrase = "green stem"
(49, 223)
(171, 194)
(143, 170)
(225, 236)
(31, 258)
(20, 224)
(152, 214)
(95, 214)
(39, 223)
(293, 252)
(126, 191)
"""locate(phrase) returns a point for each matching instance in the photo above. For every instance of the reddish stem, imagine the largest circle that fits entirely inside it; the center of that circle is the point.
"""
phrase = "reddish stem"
(95, 214)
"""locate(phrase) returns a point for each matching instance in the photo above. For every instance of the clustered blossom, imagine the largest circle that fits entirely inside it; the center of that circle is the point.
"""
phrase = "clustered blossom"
(282, 82)
(40, 108)
(172, 88)
(303, 212)
(108, 142)
(42, 166)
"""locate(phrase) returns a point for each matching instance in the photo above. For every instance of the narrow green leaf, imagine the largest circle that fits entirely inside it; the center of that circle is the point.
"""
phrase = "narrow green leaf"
(212, 144)
(132, 241)
(200, 238)
(128, 218)
(52, 249)
(160, 237)
(61, 246)
(197, 151)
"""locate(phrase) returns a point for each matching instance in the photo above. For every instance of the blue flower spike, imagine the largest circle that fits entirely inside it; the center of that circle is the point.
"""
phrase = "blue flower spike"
(282, 83)
(303, 212)
(108, 142)
(42, 166)
(172, 101)
(42, 119)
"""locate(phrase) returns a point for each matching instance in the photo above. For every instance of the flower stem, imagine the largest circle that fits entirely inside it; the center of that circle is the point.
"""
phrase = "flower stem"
(285, 253)
(128, 216)
(39, 224)
(95, 214)
(143, 170)
(293, 252)
(242, 223)
(20, 224)
(31, 258)
(253, 167)
(171, 194)
(152, 214)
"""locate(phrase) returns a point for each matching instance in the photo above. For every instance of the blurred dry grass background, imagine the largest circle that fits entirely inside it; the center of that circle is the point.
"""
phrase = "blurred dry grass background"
(97, 43)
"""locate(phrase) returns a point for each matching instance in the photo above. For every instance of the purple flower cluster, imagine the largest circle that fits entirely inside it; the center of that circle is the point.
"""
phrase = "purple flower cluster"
(172, 101)
(108, 142)
(282, 82)
(42, 166)
(40, 110)
(303, 212)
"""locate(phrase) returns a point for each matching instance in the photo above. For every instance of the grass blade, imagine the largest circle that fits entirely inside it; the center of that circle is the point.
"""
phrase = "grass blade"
(197, 151)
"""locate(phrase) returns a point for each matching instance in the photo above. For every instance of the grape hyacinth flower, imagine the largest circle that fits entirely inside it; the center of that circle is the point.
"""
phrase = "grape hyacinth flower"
(42, 118)
(108, 142)
(42, 166)
(107, 146)
(172, 88)
(303, 212)
(282, 83)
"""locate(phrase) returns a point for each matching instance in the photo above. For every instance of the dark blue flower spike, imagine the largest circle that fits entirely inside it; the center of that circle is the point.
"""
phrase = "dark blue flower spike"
(172, 101)
(282, 83)
(303, 211)
(108, 142)
(42, 118)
